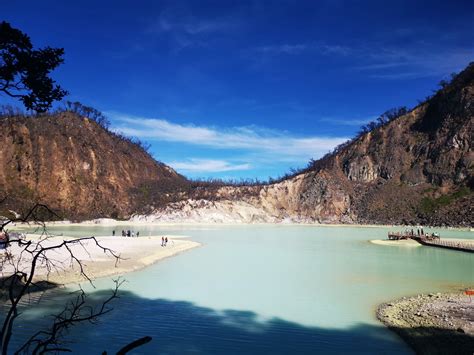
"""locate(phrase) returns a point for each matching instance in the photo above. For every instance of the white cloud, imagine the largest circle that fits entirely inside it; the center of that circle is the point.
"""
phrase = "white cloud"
(207, 166)
(274, 144)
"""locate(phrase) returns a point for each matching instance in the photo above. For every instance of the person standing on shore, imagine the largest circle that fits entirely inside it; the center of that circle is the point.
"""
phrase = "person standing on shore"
(113, 233)
(162, 241)
(166, 240)
(138, 234)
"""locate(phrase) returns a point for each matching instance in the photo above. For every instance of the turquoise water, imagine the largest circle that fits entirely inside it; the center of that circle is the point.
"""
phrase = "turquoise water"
(265, 289)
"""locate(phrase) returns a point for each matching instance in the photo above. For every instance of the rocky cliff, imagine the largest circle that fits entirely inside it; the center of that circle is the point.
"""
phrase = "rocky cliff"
(76, 167)
(416, 169)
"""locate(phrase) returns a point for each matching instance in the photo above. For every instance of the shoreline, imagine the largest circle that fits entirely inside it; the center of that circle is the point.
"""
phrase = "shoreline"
(441, 323)
(135, 254)
(105, 222)
(396, 243)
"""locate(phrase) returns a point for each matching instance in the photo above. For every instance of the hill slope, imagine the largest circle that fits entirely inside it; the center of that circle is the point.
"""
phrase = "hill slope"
(76, 167)
(417, 168)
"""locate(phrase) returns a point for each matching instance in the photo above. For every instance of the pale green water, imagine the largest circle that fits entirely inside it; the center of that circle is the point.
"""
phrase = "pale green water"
(268, 289)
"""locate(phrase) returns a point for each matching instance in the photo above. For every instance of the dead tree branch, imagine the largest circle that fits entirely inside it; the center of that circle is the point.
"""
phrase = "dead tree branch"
(21, 280)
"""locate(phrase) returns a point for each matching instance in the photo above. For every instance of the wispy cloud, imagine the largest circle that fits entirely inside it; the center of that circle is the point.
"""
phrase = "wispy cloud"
(283, 48)
(207, 166)
(190, 25)
(274, 144)
(383, 60)
(416, 61)
(347, 121)
(299, 48)
(189, 30)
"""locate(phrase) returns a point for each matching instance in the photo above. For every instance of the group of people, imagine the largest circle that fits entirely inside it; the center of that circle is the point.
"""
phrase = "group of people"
(419, 232)
(130, 233)
(127, 233)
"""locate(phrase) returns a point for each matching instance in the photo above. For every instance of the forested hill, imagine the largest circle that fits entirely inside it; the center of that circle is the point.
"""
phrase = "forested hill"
(78, 168)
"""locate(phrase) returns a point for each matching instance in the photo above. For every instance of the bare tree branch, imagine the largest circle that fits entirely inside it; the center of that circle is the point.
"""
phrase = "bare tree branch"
(20, 283)
(133, 345)
(76, 311)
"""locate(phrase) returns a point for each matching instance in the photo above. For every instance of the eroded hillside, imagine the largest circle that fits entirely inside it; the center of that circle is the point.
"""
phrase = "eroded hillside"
(76, 167)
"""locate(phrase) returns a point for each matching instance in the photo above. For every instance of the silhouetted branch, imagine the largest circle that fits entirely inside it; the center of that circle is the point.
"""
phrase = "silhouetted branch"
(19, 282)
(76, 311)
(133, 345)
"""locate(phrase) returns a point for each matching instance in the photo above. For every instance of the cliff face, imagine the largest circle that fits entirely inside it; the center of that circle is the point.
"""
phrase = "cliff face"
(75, 167)
(416, 169)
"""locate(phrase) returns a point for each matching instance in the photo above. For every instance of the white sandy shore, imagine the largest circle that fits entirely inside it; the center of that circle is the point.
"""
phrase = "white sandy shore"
(135, 254)
(104, 222)
(397, 243)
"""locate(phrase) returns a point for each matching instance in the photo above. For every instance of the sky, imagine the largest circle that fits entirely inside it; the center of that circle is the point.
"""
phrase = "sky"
(247, 89)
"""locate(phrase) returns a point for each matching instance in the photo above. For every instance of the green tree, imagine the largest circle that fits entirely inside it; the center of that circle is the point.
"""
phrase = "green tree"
(24, 71)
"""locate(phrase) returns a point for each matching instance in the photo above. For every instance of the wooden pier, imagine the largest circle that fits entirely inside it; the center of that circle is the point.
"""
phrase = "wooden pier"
(433, 241)
(448, 244)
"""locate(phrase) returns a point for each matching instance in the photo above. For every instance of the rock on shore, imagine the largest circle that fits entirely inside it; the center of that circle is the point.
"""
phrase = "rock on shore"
(433, 323)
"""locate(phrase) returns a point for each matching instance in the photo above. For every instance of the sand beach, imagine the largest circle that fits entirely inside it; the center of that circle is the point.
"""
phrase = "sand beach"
(133, 253)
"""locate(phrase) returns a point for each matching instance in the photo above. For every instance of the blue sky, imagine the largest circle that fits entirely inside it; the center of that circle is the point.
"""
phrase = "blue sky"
(238, 89)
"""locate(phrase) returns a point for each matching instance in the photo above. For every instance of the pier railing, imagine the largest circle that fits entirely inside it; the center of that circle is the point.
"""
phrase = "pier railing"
(433, 240)
(450, 244)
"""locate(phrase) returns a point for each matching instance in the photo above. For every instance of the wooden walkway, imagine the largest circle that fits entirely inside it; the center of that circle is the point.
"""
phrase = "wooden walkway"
(447, 244)
(436, 241)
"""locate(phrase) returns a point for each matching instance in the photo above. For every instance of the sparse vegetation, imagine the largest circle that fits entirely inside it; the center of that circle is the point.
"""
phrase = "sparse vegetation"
(88, 112)
(429, 205)
(385, 118)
